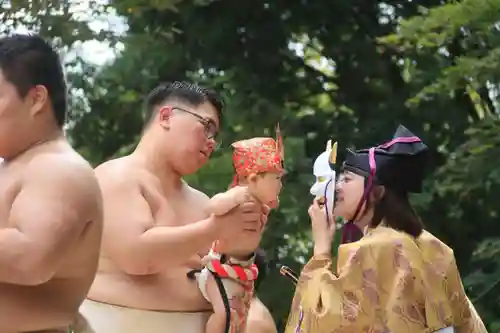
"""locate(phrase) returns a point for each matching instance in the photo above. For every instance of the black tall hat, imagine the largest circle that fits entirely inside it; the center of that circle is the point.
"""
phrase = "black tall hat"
(398, 164)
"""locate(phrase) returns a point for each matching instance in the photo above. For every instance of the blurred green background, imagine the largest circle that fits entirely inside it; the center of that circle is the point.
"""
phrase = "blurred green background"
(350, 70)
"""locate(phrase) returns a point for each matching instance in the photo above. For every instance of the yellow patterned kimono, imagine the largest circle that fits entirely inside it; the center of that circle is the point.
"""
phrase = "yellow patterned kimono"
(386, 282)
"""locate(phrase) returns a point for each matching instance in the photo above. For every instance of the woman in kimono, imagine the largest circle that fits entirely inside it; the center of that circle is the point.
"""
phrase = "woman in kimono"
(398, 278)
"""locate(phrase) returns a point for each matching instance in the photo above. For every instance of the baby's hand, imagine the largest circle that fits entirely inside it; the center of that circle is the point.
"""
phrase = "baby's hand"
(242, 195)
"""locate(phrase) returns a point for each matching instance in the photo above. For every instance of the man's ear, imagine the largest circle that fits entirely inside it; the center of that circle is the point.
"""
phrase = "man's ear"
(164, 115)
(38, 97)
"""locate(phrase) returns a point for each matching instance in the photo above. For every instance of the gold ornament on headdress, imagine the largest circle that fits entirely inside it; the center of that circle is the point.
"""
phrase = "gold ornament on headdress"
(333, 154)
(280, 147)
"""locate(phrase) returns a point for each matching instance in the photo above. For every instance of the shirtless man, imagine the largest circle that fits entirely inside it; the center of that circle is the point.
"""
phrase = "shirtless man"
(260, 319)
(50, 202)
(156, 227)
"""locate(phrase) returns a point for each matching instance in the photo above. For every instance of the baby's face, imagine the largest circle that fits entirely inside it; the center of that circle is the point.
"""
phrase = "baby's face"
(266, 187)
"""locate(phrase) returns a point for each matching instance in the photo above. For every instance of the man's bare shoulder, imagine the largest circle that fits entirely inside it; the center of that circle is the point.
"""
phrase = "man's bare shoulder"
(61, 166)
(119, 172)
(121, 165)
(64, 171)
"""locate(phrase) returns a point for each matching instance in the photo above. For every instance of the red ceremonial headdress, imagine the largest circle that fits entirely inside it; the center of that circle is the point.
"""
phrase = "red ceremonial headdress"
(258, 155)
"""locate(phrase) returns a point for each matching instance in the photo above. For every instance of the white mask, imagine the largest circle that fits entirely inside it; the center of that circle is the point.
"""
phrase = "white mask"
(325, 176)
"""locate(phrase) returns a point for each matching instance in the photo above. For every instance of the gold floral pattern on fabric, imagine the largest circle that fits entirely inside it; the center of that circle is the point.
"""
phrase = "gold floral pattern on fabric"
(386, 282)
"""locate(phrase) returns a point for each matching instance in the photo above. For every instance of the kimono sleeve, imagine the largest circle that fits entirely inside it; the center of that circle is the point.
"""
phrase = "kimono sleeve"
(466, 318)
(373, 276)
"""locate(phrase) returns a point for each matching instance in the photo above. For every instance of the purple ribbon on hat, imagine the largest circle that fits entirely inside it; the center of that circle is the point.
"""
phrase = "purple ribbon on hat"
(373, 165)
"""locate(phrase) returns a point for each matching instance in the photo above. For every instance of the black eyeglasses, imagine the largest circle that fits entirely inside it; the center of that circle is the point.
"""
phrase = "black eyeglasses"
(211, 130)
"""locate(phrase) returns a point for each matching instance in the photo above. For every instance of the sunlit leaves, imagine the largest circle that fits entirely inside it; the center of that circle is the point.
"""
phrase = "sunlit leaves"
(467, 33)
(65, 21)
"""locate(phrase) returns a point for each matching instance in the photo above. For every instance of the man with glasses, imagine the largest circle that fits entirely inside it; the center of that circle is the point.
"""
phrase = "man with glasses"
(156, 228)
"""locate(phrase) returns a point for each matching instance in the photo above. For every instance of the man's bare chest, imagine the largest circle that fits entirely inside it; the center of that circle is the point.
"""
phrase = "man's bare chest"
(173, 210)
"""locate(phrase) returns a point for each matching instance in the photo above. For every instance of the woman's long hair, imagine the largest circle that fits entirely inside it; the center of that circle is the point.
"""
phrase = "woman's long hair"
(394, 210)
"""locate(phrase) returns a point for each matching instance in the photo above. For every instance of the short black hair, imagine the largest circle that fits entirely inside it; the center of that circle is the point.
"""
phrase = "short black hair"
(185, 92)
(262, 265)
(29, 60)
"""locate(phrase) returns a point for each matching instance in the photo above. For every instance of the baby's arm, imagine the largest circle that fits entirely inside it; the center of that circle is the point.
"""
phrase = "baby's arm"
(222, 203)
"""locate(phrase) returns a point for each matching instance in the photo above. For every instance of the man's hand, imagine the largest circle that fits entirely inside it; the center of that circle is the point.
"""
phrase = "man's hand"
(264, 214)
(243, 218)
(241, 229)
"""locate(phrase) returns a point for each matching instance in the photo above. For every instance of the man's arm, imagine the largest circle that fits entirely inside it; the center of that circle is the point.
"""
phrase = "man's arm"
(259, 319)
(57, 200)
(261, 326)
(131, 238)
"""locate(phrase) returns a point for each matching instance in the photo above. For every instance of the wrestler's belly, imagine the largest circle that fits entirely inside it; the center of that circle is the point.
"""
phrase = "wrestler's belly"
(169, 291)
(48, 306)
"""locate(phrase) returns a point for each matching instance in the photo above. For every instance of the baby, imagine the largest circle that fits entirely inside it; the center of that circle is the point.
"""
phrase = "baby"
(258, 165)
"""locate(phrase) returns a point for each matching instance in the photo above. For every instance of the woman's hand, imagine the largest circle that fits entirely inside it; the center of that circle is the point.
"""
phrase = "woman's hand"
(323, 230)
